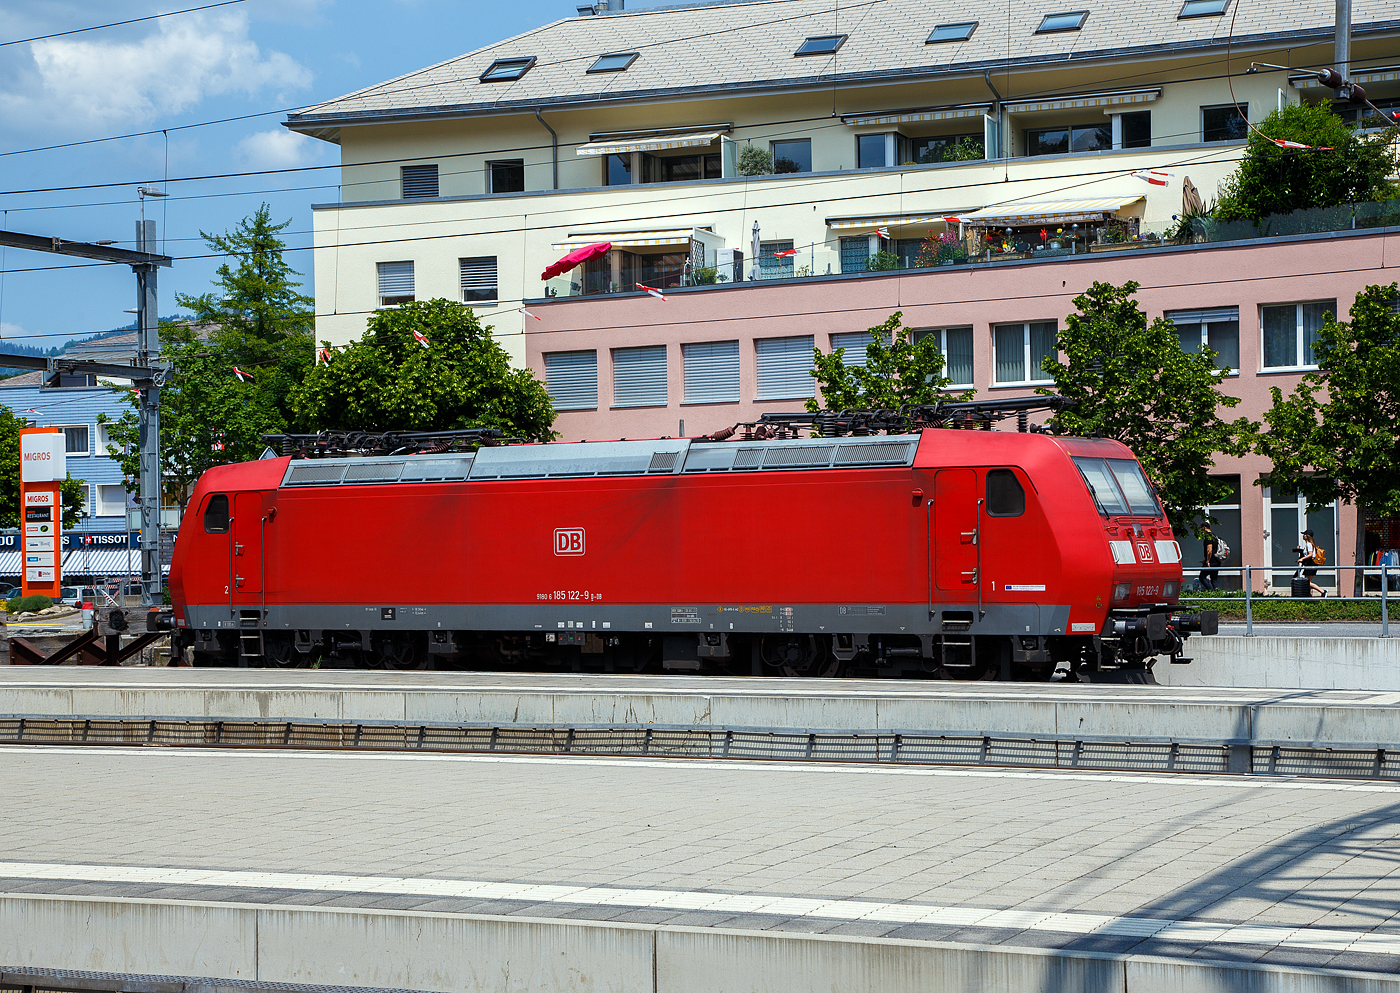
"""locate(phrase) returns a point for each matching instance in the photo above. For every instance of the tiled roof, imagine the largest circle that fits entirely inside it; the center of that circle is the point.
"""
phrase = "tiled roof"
(734, 47)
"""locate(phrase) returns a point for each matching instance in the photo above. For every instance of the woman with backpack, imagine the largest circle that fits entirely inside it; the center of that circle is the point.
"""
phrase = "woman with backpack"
(1310, 555)
(1210, 557)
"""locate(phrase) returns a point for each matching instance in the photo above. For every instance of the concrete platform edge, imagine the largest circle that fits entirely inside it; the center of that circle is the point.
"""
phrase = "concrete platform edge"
(457, 953)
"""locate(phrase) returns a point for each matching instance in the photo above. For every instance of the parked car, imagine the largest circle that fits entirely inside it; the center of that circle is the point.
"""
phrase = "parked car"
(75, 595)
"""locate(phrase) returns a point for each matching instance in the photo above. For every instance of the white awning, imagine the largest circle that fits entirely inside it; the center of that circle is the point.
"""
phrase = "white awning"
(1048, 211)
(886, 220)
(648, 143)
(1082, 101)
(925, 115)
(627, 239)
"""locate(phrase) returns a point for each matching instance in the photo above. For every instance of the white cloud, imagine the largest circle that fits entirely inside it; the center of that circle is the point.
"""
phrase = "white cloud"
(98, 85)
(278, 149)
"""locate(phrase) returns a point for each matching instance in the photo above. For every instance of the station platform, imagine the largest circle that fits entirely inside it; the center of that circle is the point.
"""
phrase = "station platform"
(1369, 718)
(168, 870)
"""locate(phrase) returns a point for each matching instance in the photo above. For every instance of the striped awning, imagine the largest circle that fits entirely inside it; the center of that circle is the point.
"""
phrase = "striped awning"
(1082, 101)
(1048, 211)
(886, 220)
(84, 562)
(920, 116)
(627, 239)
(648, 143)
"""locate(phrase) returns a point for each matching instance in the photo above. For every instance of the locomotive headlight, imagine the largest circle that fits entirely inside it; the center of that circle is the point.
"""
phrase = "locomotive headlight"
(1121, 591)
(1169, 589)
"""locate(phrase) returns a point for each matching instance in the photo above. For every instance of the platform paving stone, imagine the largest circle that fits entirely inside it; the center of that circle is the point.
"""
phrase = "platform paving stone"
(755, 846)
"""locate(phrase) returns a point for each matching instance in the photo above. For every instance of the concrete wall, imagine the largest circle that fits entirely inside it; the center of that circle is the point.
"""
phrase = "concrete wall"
(457, 953)
(1289, 663)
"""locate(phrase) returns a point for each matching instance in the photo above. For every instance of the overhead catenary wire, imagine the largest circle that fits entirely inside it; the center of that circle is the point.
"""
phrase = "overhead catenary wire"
(117, 24)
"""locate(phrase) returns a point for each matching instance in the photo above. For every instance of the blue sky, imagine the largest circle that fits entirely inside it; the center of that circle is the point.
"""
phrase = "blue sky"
(250, 57)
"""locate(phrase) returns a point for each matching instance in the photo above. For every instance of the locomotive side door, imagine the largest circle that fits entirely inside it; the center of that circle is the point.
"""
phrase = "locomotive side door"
(247, 545)
(956, 518)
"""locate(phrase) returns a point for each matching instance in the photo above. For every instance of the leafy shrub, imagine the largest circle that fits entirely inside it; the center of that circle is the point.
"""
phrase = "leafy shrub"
(883, 260)
(966, 150)
(27, 604)
(755, 161)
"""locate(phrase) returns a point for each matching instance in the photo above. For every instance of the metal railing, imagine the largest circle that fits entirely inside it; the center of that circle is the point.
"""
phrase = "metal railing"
(1386, 574)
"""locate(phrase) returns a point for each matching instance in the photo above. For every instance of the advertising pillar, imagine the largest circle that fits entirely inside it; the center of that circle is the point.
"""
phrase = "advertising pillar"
(43, 467)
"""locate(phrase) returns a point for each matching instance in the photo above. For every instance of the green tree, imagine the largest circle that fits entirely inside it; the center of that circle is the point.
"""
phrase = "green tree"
(1130, 381)
(1340, 167)
(388, 380)
(71, 491)
(897, 371)
(254, 320)
(755, 161)
(1338, 434)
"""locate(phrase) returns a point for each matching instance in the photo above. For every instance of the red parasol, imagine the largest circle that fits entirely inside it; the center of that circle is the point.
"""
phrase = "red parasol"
(577, 257)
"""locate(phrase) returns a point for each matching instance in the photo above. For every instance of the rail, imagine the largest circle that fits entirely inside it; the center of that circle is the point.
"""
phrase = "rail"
(1386, 574)
(1201, 756)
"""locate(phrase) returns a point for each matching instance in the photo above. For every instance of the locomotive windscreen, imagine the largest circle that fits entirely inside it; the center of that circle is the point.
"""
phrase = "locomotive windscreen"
(1119, 487)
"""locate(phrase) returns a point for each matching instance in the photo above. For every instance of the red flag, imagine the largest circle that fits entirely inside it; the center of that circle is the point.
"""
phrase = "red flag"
(528, 314)
(1156, 177)
(243, 377)
(783, 255)
(1284, 143)
(883, 233)
(323, 356)
(421, 338)
(652, 291)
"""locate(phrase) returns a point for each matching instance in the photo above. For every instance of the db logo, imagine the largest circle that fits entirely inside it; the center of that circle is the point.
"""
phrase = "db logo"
(568, 541)
(1144, 551)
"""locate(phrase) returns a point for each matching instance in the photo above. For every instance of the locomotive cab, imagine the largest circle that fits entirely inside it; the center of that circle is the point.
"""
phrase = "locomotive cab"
(1142, 618)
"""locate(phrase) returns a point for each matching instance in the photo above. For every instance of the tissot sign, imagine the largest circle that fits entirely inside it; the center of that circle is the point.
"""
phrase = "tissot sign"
(43, 466)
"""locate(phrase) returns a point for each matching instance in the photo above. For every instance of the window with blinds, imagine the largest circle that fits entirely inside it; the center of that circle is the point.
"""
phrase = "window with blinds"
(854, 343)
(395, 283)
(1216, 328)
(855, 254)
(572, 379)
(785, 368)
(478, 279)
(711, 370)
(420, 182)
(639, 376)
(771, 266)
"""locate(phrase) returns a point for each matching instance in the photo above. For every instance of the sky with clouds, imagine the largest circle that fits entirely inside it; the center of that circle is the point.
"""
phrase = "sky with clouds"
(253, 57)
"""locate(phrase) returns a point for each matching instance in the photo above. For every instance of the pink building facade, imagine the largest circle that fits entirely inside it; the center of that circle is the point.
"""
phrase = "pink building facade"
(707, 357)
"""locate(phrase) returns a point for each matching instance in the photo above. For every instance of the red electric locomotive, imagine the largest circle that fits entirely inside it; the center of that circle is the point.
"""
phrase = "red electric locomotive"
(970, 554)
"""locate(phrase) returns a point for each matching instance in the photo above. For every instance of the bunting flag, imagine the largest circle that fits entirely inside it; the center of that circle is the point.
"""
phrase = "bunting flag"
(883, 233)
(952, 220)
(652, 291)
(783, 255)
(243, 377)
(421, 338)
(323, 356)
(1154, 176)
(1284, 143)
(528, 314)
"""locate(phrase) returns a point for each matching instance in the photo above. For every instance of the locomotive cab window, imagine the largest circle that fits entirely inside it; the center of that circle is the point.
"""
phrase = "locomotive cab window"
(1135, 487)
(1005, 495)
(1101, 485)
(216, 514)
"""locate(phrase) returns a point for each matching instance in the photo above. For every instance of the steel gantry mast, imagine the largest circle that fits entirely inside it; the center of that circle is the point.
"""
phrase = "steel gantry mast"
(147, 373)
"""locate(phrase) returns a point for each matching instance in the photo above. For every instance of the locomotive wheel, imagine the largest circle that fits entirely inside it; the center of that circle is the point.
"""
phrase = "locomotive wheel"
(800, 656)
(400, 653)
(278, 653)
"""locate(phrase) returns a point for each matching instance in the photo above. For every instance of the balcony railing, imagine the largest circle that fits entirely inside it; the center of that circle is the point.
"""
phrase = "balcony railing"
(994, 248)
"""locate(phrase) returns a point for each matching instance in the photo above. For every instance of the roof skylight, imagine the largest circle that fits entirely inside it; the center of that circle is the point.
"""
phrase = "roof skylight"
(957, 32)
(1071, 20)
(825, 44)
(505, 70)
(1202, 8)
(616, 62)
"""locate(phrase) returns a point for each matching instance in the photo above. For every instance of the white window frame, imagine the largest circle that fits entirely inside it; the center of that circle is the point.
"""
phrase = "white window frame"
(399, 299)
(101, 505)
(77, 455)
(1025, 354)
(1277, 569)
(104, 438)
(918, 335)
(1298, 335)
(495, 286)
(1204, 328)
